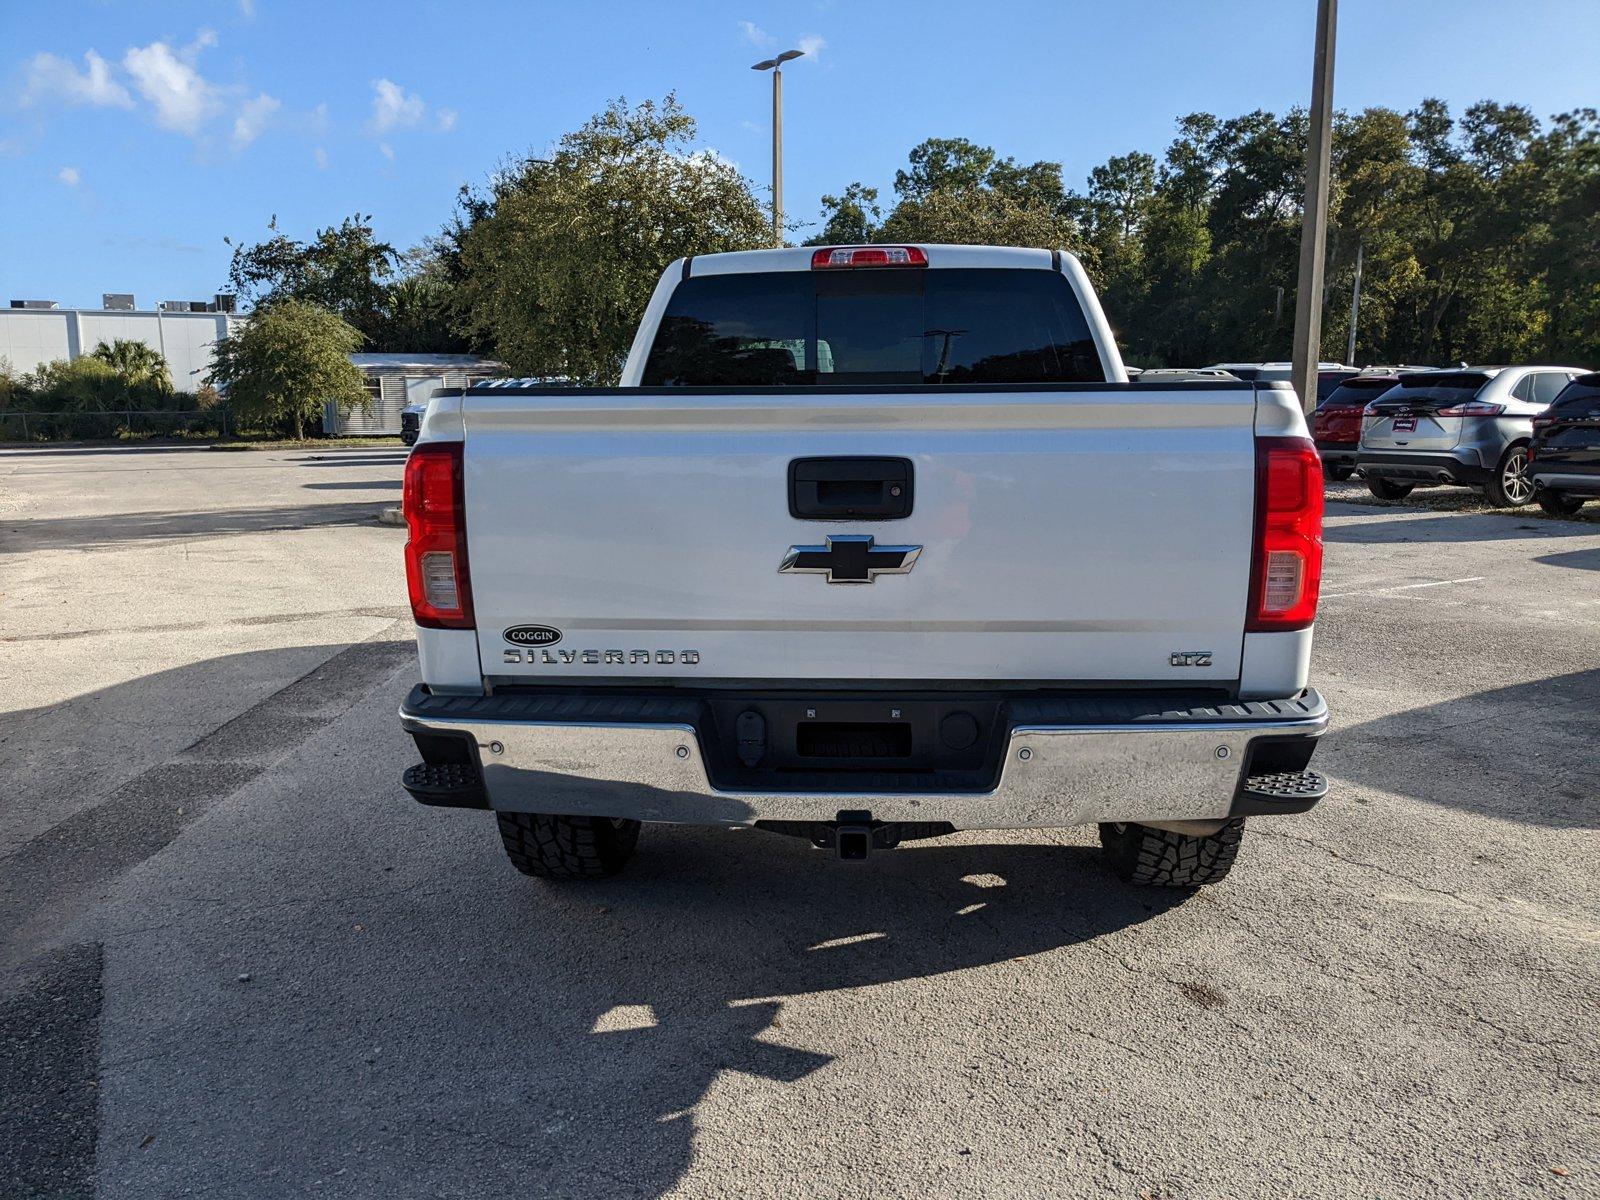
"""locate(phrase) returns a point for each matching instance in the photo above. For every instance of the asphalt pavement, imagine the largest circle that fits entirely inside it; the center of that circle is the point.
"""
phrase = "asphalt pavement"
(236, 959)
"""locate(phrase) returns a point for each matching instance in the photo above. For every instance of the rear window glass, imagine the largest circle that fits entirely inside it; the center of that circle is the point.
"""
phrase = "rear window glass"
(1358, 391)
(952, 327)
(1582, 393)
(1443, 388)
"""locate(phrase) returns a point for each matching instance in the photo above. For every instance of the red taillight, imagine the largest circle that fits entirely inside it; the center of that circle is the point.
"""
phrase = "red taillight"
(868, 256)
(436, 551)
(1472, 408)
(1286, 566)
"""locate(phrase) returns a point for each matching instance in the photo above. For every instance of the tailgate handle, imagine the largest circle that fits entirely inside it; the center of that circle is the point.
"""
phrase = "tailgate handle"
(844, 489)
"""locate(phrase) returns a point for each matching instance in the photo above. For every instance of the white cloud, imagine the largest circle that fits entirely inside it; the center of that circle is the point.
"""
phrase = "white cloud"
(756, 35)
(812, 45)
(321, 157)
(247, 9)
(184, 101)
(69, 176)
(386, 150)
(446, 119)
(394, 108)
(254, 116)
(50, 77)
(168, 79)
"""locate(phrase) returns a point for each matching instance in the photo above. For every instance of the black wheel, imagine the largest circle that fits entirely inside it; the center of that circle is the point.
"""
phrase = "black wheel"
(1160, 858)
(1510, 486)
(1387, 489)
(1336, 474)
(1559, 504)
(567, 847)
(409, 438)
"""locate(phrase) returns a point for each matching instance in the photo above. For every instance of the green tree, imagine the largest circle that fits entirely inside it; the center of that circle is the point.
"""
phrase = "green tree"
(289, 359)
(851, 217)
(344, 269)
(559, 260)
(955, 191)
(143, 368)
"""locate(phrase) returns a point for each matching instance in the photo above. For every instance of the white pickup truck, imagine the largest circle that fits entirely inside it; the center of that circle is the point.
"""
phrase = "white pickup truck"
(872, 544)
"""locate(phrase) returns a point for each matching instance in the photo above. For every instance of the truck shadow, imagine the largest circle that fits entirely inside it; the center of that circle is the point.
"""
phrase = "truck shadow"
(613, 1010)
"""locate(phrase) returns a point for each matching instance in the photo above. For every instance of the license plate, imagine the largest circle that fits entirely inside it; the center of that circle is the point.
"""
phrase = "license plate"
(1405, 424)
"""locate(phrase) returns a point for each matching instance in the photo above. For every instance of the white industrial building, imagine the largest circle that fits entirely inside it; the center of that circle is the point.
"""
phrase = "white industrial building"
(33, 333)
(33, 336)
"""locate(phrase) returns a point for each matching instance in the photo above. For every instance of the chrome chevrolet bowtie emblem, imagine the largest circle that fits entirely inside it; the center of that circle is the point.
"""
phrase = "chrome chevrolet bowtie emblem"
(849, 558)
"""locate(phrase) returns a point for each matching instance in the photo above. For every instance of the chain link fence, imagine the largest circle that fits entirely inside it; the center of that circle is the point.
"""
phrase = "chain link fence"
(23, 426)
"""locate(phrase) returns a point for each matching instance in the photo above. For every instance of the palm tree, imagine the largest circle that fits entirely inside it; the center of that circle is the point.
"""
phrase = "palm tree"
(140, 366)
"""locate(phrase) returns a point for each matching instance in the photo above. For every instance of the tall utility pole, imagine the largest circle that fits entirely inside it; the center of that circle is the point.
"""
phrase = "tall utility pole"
(1314, 232)
(775, 65)
(1355, 307)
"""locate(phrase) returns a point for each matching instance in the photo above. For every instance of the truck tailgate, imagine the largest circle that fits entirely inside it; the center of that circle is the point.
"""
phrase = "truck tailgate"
(1074, 534)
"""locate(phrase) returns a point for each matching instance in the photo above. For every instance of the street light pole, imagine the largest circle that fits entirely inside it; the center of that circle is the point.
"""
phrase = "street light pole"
(775, 65)
(1314, 230)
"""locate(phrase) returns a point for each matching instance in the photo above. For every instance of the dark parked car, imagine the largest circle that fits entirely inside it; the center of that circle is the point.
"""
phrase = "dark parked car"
(1336, 423)
(1564, 455)
(411, 422)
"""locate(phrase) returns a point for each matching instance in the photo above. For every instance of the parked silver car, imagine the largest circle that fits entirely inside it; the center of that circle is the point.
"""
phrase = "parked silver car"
(1467, 426)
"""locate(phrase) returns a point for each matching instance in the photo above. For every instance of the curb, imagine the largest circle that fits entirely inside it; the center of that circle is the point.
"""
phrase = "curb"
(391, 516)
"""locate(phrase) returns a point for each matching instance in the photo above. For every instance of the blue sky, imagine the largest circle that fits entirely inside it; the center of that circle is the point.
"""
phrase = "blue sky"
(135, 135)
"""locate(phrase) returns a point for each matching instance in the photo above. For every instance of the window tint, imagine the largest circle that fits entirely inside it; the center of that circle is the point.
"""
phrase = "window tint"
(1547, 386)
(747, 330)
(1005, 326)
(1523, 389)
(1357, 391)
(1582, 394)
(952, 327)
(1436, 388)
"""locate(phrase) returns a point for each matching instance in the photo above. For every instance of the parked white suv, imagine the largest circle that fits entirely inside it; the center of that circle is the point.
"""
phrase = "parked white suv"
(872, 544)
(1466, 426)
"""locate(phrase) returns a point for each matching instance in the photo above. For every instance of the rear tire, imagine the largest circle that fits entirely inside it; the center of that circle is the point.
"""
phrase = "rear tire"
(1559, 504)
(1510, 486)
(1336, 474)
(1161, 858)
(1387, 489)
(550, 847)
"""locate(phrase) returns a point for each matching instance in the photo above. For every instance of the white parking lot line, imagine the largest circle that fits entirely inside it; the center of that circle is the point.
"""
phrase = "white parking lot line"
(1404, 587)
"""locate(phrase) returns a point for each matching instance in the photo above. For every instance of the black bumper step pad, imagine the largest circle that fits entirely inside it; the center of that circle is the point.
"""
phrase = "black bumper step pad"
(1285, 792)
(446, 785)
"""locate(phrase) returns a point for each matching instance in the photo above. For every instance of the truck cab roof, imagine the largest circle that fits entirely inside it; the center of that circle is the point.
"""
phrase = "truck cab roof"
(799, 258)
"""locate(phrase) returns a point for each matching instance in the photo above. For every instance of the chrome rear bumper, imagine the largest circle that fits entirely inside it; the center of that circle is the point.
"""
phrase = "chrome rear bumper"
(1160, 765)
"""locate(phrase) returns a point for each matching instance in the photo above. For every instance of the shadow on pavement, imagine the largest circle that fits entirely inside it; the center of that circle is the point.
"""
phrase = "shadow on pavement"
(77, 533)
(341, 485)
(532, 1040)
(1446, 527)
(1521, 753)
(354, 458)
(1582, 560)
